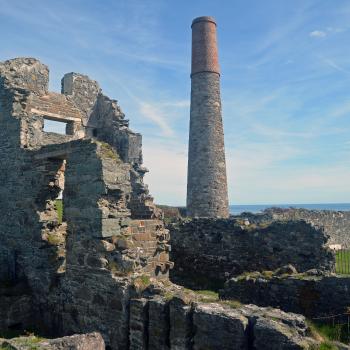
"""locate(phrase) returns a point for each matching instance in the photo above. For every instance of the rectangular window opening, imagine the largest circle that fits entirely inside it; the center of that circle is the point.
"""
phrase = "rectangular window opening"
(55, 126)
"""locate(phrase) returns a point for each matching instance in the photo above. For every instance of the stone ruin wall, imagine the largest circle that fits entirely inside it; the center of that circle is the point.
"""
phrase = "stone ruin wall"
(77, 275)
(311, 294)
(336, 224)
(208, 252)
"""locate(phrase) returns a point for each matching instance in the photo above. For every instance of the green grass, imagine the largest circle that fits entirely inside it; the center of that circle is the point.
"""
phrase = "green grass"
(342, 262)
(29, 340)
(59, 208)
(327, 346)
(329, 332)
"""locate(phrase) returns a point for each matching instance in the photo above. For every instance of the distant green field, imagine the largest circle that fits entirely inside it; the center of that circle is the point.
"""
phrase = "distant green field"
(59, 208)
(342, 262)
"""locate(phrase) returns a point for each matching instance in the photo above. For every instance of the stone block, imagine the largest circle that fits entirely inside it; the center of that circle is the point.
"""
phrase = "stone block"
(219, 328)
(158, 324)
(138, 324)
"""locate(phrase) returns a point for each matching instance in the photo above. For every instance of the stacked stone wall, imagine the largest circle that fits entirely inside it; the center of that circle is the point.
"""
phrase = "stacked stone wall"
(307, 294)
(335, 223)
(207, 252)
(160, 325)
(79, 273)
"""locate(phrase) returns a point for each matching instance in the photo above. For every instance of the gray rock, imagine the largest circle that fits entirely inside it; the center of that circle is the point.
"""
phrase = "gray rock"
(217, 327)
(91, 341)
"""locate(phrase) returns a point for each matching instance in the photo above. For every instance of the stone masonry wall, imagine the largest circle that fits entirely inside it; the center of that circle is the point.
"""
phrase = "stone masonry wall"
(208, 252)
(307, 294)
(159, 324)
(335, 223)
(74, 276)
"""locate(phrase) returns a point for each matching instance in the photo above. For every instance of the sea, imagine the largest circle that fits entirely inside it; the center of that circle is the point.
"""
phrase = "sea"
(258, 208)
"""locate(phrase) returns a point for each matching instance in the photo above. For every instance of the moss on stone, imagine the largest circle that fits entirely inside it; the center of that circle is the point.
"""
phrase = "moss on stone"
(142, 282)
(108, 151)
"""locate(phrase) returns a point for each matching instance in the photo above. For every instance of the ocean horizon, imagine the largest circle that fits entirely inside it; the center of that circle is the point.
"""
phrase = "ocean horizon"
(258, 208)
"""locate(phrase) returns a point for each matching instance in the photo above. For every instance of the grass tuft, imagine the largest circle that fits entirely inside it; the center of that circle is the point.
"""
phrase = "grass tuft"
(108, 151)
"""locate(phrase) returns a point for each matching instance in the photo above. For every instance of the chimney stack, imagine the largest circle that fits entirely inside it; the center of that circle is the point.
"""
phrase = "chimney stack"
(206, 178)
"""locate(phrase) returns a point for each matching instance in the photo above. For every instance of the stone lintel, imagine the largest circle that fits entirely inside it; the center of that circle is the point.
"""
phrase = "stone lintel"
(54, 116)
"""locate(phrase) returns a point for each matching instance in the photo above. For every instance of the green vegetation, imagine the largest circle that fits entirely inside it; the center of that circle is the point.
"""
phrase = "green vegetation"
(142, 282)
(59, 209)
(27, 339)
(342, 262)
(337, 332)
(328, 333)
(6, 347)
(108, 151)
(327, 346)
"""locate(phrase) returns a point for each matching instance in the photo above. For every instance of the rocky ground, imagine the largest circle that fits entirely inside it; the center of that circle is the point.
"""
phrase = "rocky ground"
(91, 341)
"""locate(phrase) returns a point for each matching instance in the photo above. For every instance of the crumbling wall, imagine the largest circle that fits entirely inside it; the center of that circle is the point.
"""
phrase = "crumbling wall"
(335, 223)
(159, 324)
(106, 122)
(79, 273)
(207, 252)
(309, 294)
(82, 91)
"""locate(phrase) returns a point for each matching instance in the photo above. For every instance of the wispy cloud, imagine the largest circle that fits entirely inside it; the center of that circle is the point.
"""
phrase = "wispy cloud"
(326, 32)
(318, 34)
(157, 116)
(336, 66)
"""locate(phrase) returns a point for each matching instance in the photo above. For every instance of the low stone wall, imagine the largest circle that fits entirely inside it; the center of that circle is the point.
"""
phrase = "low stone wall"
(307, 294)
(207, 252)
(158, 324)
(335, 223)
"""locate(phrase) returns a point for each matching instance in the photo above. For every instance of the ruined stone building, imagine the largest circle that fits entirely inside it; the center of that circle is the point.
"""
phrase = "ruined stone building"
(100, 271)
(111, 229)
(104, 266)
(207, 183)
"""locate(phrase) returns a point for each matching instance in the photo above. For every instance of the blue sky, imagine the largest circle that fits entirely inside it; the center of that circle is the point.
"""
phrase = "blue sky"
(285, 84)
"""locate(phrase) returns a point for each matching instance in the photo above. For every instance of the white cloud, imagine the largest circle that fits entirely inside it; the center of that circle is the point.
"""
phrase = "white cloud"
(157, 116)
(318, 34)
(326, 32)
